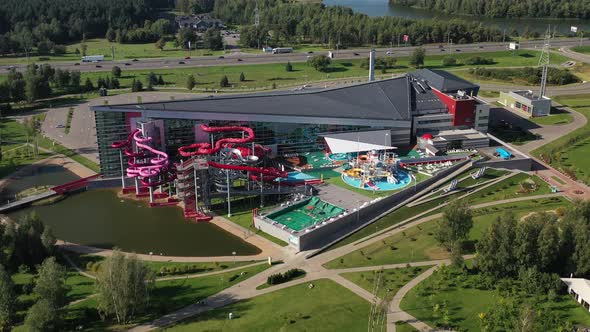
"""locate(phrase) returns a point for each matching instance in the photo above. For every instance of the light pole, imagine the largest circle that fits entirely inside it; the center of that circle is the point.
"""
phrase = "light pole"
(228, 196)
(234, 254)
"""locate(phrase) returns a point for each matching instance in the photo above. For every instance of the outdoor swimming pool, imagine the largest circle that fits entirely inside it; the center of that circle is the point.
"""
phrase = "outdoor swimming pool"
(403, 178)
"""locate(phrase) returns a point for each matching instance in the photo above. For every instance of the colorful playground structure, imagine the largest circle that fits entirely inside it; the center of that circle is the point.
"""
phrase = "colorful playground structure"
(373, 171)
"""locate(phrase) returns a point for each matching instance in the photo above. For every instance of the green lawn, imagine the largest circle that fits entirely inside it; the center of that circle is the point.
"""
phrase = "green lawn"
(509, 188)
(581, 49)
(172, 268)
(264, 75)
(463, 298)
(392, 280)
(570, 151)
(419, 244)
(404, 327)
(167, 296)
(325, 307)
(554, 119)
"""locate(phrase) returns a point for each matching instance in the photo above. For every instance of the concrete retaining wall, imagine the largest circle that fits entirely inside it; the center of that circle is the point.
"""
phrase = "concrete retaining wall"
(516, 164)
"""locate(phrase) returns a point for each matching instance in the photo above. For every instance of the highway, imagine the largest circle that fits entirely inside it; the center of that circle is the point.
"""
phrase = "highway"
(238, 58)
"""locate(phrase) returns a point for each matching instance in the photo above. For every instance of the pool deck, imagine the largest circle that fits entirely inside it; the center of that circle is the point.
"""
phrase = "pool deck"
(341, 197)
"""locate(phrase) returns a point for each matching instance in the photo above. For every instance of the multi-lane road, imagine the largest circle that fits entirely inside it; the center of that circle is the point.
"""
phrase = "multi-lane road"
(239, 58)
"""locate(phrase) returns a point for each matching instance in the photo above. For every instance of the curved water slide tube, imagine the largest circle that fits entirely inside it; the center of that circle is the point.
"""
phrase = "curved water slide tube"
(126, 144)
(207, 148)
(268, 173)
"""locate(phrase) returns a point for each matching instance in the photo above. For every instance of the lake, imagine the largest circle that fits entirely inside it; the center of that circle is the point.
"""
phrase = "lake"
(382, 8)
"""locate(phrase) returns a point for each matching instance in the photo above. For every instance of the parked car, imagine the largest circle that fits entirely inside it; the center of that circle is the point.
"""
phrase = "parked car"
(60, 126)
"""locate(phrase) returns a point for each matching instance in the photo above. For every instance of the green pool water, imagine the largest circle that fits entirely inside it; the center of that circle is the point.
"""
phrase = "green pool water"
(99, 218)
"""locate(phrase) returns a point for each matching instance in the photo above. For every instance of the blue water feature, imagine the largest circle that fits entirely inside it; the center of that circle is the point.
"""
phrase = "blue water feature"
(504, 154)
(297, 177)
(403, 178)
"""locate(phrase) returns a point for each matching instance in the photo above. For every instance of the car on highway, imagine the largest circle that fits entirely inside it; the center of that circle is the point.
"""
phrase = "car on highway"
(10, 67)
(442, 50)
(60, 126)
(389, 52)
(187, 58)
(221, 57)
(457, 50)
(480, 46)
(240, 59)
(181, 62)
(309, 52)
(127, 64)
(134, 60)
(76, 64)
(98, 66)
(355, 53)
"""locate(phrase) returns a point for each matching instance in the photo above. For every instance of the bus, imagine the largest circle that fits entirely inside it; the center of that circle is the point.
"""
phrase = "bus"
(92, 58)
(282, 50)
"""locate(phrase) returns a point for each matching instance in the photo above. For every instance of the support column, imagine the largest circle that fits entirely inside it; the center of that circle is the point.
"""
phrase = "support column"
(122, 170)
(228, 195)
(196, 188)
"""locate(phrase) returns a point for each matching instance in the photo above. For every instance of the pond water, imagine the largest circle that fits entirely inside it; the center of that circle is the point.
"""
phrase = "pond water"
(99, 218)
(44, 175)
(383, 8)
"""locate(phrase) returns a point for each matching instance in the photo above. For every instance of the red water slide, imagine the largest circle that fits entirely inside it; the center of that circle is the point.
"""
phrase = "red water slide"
(269, 173)
(206, 148)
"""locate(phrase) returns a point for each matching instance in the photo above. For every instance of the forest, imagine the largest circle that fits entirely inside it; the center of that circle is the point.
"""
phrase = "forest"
(25, 24)
(292, 23)
(505, 8)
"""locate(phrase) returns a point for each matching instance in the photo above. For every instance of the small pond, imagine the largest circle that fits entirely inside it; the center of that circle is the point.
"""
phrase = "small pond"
(99, 218)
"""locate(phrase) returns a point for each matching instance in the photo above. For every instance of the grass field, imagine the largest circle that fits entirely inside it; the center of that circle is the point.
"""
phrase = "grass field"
(264, 75)
(581, 49)
(419, 244)
(166, 297)
(392, 280)
(553, 119)
(171, 268)
(571, 150)
(462, 298)
(327, 307)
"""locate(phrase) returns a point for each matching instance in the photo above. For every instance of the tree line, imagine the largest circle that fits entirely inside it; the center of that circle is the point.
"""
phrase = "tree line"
(292, 23)
(505, 8)
(23, 25)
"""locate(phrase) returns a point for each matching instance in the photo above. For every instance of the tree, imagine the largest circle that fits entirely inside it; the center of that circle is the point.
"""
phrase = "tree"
(212, 39)
(42, 317)
(496, 248)
(88, 86)
(289, 66)
(48, 240)
(320, 62)
(84, 48)
(116, 71)
(224, 82)
(161, 44)
(184, 36)
(449, 61)
(242, 77)
(190, 82)
(417, 57)
(136, 86)
(111, 35)
(161, 80)
(51, 283)
(123, 284)
(152, 78)
(7, 300)
(455, 225)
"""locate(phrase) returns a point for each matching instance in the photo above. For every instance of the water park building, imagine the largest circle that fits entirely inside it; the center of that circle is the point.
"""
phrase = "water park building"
(294, 122)
(526, 103)
(199, 151)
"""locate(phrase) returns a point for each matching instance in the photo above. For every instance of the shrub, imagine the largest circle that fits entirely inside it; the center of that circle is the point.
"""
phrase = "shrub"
(279, 278)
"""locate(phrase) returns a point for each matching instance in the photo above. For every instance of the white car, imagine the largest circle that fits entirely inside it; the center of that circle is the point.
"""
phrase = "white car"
(389, 52)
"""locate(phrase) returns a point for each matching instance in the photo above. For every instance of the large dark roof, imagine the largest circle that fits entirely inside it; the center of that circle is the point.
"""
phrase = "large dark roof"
(443, 80)
(381, 100)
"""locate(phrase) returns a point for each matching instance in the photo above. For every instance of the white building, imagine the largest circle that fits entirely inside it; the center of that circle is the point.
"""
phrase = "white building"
(579, 288)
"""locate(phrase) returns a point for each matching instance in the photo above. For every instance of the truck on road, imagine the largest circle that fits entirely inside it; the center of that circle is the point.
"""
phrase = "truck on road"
(92, 58)
(282, 50)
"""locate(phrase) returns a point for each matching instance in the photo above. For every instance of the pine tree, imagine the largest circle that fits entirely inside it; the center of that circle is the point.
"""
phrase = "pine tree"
(242, 77)
(190, 82)
(224, 82)
(289, 67)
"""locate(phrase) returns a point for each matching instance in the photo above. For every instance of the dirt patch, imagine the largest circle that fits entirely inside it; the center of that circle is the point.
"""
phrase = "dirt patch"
(533, 213)
(436, 253)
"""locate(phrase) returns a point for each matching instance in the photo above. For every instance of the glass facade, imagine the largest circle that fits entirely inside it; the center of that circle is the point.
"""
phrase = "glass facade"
(284, 138)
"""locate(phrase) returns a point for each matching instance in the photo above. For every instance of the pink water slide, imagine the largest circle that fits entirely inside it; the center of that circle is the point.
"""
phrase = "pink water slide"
(148, 169)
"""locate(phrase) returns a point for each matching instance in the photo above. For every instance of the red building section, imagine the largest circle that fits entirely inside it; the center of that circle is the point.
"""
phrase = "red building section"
(463, 110)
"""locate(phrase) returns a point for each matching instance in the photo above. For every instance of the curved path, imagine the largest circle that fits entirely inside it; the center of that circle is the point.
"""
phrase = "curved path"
(315, 270)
